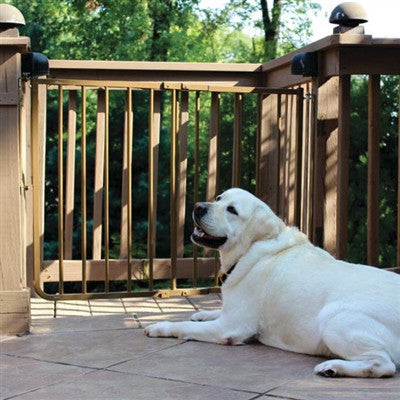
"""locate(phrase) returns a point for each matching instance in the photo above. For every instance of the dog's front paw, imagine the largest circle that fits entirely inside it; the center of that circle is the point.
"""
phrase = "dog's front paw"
(206, 315)
(160, 329)
(327, 369)
(199, 316)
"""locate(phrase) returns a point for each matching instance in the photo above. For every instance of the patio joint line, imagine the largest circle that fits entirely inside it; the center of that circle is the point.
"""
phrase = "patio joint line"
(187, 381)
(53, 383)
(140, 356)
(52, 362)
(192, 304)
(158, 305)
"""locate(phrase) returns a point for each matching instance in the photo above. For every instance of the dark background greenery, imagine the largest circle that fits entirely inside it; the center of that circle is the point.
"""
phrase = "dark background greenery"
(181, 30)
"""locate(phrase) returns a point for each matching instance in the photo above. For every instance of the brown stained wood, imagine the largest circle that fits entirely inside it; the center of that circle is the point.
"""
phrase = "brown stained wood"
(268, 147)
(174, 187)
(343, 150)
(308, 160)
(375, 60)
(38, 143)
(226, 74)
(291, 161)
(325, 177)
(183, 137)
(14, 299)
(118, 271)
(11, 234)
(70, 175)
(154, 142)
(14, 312)
(60, 177)
(284, 142)
(127, 154)
(298, 109)
(83, 190)
(27, 198)
(373, 170)
(237, 136)
(213, 152)
(99, 175)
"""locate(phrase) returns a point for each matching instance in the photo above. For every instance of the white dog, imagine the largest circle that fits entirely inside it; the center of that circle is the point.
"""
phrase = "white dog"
(292, 295)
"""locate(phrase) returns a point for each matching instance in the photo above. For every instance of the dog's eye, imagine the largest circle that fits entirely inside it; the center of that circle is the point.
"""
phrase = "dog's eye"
(232, 210)
(218, 198)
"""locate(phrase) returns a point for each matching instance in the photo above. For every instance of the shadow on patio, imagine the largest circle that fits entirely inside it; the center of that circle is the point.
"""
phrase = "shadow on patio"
(97, 350)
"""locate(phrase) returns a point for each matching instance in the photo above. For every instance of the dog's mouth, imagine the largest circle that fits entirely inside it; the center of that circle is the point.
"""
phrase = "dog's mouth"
(202, 238)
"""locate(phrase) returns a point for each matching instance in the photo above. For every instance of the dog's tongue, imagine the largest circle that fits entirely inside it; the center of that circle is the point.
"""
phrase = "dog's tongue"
(199, 232)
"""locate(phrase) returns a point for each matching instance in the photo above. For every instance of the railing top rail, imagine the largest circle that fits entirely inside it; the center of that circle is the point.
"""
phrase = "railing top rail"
(95, 84)
(153, 66)
(334, 41)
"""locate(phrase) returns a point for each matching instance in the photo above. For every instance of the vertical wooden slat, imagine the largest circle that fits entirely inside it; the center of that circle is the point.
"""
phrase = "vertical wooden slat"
(373, 170)
(306, 163)
(237, 133)
(154, 142)
(343, 166)
(70, 176)
(83, 193)
(318, 175)
(213, 154)
(196, 176)
(174, 186)
(26, 198)
(183, 132)
(125, 182)
(258, 144)
(99, 175)
(213, 162)
(299, 155)
(283, 173)
(308, 157)
(60, 191)
(290, 163)
(129, 187)
(37, 198)
(106, 193)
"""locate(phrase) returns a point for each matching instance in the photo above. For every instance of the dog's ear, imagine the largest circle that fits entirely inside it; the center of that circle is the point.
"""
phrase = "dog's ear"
(266, 224)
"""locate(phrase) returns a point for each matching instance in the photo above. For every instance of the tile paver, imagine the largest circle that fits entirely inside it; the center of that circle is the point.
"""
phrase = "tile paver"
(72, 308)
(314, 387)
(109, 385)
(21, 375)
(104, 354)
(251, 367)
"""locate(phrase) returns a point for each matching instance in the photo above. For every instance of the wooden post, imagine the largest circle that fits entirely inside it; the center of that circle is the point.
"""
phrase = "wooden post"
(14, 296)
(331, 164)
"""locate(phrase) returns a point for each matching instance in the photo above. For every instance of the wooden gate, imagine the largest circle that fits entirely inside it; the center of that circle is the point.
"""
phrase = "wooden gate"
(198, 140)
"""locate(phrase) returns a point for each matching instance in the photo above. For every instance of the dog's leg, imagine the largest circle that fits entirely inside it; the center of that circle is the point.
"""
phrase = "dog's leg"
(377, 367)
(363, 350)
(206, 315)
(209, 331)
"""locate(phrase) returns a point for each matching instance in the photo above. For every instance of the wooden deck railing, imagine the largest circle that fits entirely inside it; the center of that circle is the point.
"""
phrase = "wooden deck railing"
(298, 156)
(176, 106)
(300, 165)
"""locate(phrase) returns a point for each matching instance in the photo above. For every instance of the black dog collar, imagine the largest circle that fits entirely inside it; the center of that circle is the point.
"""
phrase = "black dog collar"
(224, 275)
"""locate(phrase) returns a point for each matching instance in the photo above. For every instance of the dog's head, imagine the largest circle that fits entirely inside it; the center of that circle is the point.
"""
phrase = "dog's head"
(236, 218)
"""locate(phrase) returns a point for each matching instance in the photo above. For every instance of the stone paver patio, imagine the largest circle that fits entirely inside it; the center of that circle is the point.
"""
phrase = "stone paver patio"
(97, 350)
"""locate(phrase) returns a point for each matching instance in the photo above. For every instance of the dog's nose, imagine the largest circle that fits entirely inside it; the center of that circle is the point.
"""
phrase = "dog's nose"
(200, 209)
